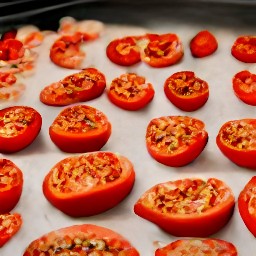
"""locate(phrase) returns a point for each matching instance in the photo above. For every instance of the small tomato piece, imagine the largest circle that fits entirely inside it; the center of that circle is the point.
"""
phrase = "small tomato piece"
(124, 51)
(19, 127)
(188, 207)
(89, 184)
(86, 85)
(11, 184)
(175, 140)
(236, 139)
(10, 34)
(188, 247)
(244, 49)
(203, 44)
(186, 91)
(10, 224)
(83, 240)
(244, 86)
(247, 205)
(130, 92)
(79, 129)
(161, 50)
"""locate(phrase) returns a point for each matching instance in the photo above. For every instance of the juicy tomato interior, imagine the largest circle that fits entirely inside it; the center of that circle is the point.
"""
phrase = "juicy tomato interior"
(11, 49)
(173, 134)
(85, 172)
(186, 247)
(186, 84)
(79, 119)
(7, 79)
(186, 196)
(16, 121)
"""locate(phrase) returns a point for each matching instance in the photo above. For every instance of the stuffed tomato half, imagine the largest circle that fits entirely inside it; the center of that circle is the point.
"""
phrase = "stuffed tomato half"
(89, 184)
(188, 207)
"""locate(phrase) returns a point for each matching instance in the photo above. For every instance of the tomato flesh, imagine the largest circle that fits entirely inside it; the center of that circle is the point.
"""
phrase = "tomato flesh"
(236, 140)
(188, 207)
(244, 49)
(11, 183)
(203, 44)
(19, 126)
(99, 179)
(10, 224)
(244, 87)
(86, 85)
(186, 91)
(80, 129)
(247, 205)
(175, 140)
(82, 240)
(130, 92)
(188, 247)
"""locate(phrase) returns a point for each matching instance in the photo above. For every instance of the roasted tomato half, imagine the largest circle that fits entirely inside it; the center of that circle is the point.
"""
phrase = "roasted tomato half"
(244, 49)
(82, 240)
(236, 140)
(89, 184)
(130, 91)
(11, 49)
(203, 44)
(11, 184)
(161, 50)
(186, 91)
(244, 85)
(188, 207)
(10, 224)
(247, 205)
(19, 126)
(80, 129)
(189, 247)
(86, 85)
(124, 51)
(175, 140)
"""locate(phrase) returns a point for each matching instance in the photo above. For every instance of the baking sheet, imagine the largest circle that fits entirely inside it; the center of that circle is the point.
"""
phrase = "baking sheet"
(128, 128)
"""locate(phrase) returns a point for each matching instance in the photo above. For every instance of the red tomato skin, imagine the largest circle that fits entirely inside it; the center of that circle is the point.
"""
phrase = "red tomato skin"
(4, 238)
(247, 97)
(186, 103)
(240, 49)
(99, 199)
(203, 44)
(243, 158)
(81, 142)
(230, 249)
(10, 197)
(172, 58)
(192, 225)
(243, 204)
(131, 58)
(23, 140)
(94, 231)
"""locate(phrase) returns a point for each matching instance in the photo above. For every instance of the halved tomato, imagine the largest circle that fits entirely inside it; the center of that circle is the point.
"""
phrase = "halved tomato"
(244, 85)
(11, 184)
(19, 126)
(203, 44)
(161, 50)
(124, 51)
(236, 139)
(244, 49)
(188, 207)
(130, 91)
(176, 140)
(186, 91)
(11, 49)
(189, 247)
(86, 85)
(89, 184)
(86, 239)
(10, 224)
(80, 129)
(247, 205)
